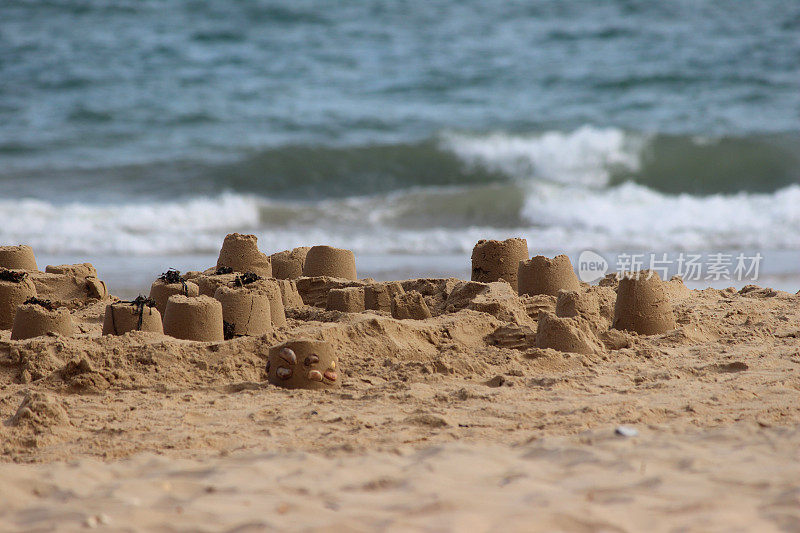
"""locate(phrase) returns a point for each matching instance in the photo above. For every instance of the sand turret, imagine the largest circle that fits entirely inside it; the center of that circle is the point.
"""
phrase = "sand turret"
(240, 253)
(496, 260)
(196, 318)
(303, 364)
(169, 283)
(542, 275)
(40, 317)
(331, 262)
(289, 263)
(15, 288)
(643, 304)
(246, 311)
(19, 257)
(139, 315)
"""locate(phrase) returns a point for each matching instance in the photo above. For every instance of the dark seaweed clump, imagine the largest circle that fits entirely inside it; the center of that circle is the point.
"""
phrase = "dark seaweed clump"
(223, 270)
(171, 276)
(245, 279)
(11, 275)
(228, 328)
(47, 304)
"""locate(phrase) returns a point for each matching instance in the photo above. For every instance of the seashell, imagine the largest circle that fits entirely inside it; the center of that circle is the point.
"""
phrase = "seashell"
(315, 375)
(283, 373)
(330, 375)
(333, 365)
(312, 359)
(287, 354)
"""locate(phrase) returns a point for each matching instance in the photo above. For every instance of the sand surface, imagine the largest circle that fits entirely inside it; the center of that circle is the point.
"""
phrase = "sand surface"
(458, 422)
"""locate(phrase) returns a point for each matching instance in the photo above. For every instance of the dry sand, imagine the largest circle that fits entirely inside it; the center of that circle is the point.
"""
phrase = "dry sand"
(457, 422)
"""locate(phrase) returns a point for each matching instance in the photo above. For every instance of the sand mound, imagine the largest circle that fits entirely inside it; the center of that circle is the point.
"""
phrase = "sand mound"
(572, 335)
(40, 412)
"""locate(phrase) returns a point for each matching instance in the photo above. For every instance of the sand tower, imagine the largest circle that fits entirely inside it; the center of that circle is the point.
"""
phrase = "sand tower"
(139, 315)
(37, 317)
(496, 260)
(643, 304)
(542, 275)
(15, 288)
(17, 257)
(331, 262)
(411, 305)
(272, 289)
(247, 311)
(348, 300)
(196, 318)
(240, 253)
(303, 364)
(378, 296)
(168, 284)
(289, 264)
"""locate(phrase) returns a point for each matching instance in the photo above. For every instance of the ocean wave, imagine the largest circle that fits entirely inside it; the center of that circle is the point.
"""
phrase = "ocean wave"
(421, 221)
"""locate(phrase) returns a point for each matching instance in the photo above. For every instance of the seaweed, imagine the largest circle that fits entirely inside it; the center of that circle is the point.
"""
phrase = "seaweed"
(172, 276)
(12, 275)
(223, 270)
(140, 302)
(47, 304)
(228, 329)
(245, 279)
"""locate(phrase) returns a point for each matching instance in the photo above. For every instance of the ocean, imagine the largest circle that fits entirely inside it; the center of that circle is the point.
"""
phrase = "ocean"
(136, 134)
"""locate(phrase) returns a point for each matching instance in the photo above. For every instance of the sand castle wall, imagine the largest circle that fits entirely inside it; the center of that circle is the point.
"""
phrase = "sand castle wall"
(314, 291)
(378, 296)
(410, 305)
(347, 300)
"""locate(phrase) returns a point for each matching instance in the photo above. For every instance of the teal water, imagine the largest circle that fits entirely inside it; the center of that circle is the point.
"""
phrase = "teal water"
(152, 128)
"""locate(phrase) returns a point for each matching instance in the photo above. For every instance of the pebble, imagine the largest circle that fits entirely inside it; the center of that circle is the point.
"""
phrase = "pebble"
(283, 372)
(330, 375)
(626, 431)
(312, 359)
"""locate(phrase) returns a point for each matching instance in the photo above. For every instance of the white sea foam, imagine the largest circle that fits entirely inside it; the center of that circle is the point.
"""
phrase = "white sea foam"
(561, 201)
(581, 157)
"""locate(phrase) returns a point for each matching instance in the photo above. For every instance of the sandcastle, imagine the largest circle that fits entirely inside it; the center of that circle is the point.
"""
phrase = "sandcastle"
(169, 284)
(240, 253)
(331, 262)
(15, 288)
(18, 258)
(37, 317)
(140, 314)
(542, 275)
(565, 334)
(289, 263)
(65, 282)
(378, 296)
(410, 305)
(303, 364)
(496, 260)
(197, 318)
(247, 312)
(348, 300)
(272, 289)
(643, 304)
(209, 283)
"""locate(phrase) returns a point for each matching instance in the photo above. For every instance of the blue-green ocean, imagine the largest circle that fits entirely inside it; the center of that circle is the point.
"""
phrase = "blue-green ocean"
(404, 130)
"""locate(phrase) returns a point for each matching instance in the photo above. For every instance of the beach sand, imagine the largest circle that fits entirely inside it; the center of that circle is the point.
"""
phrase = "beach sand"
(459, 422)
